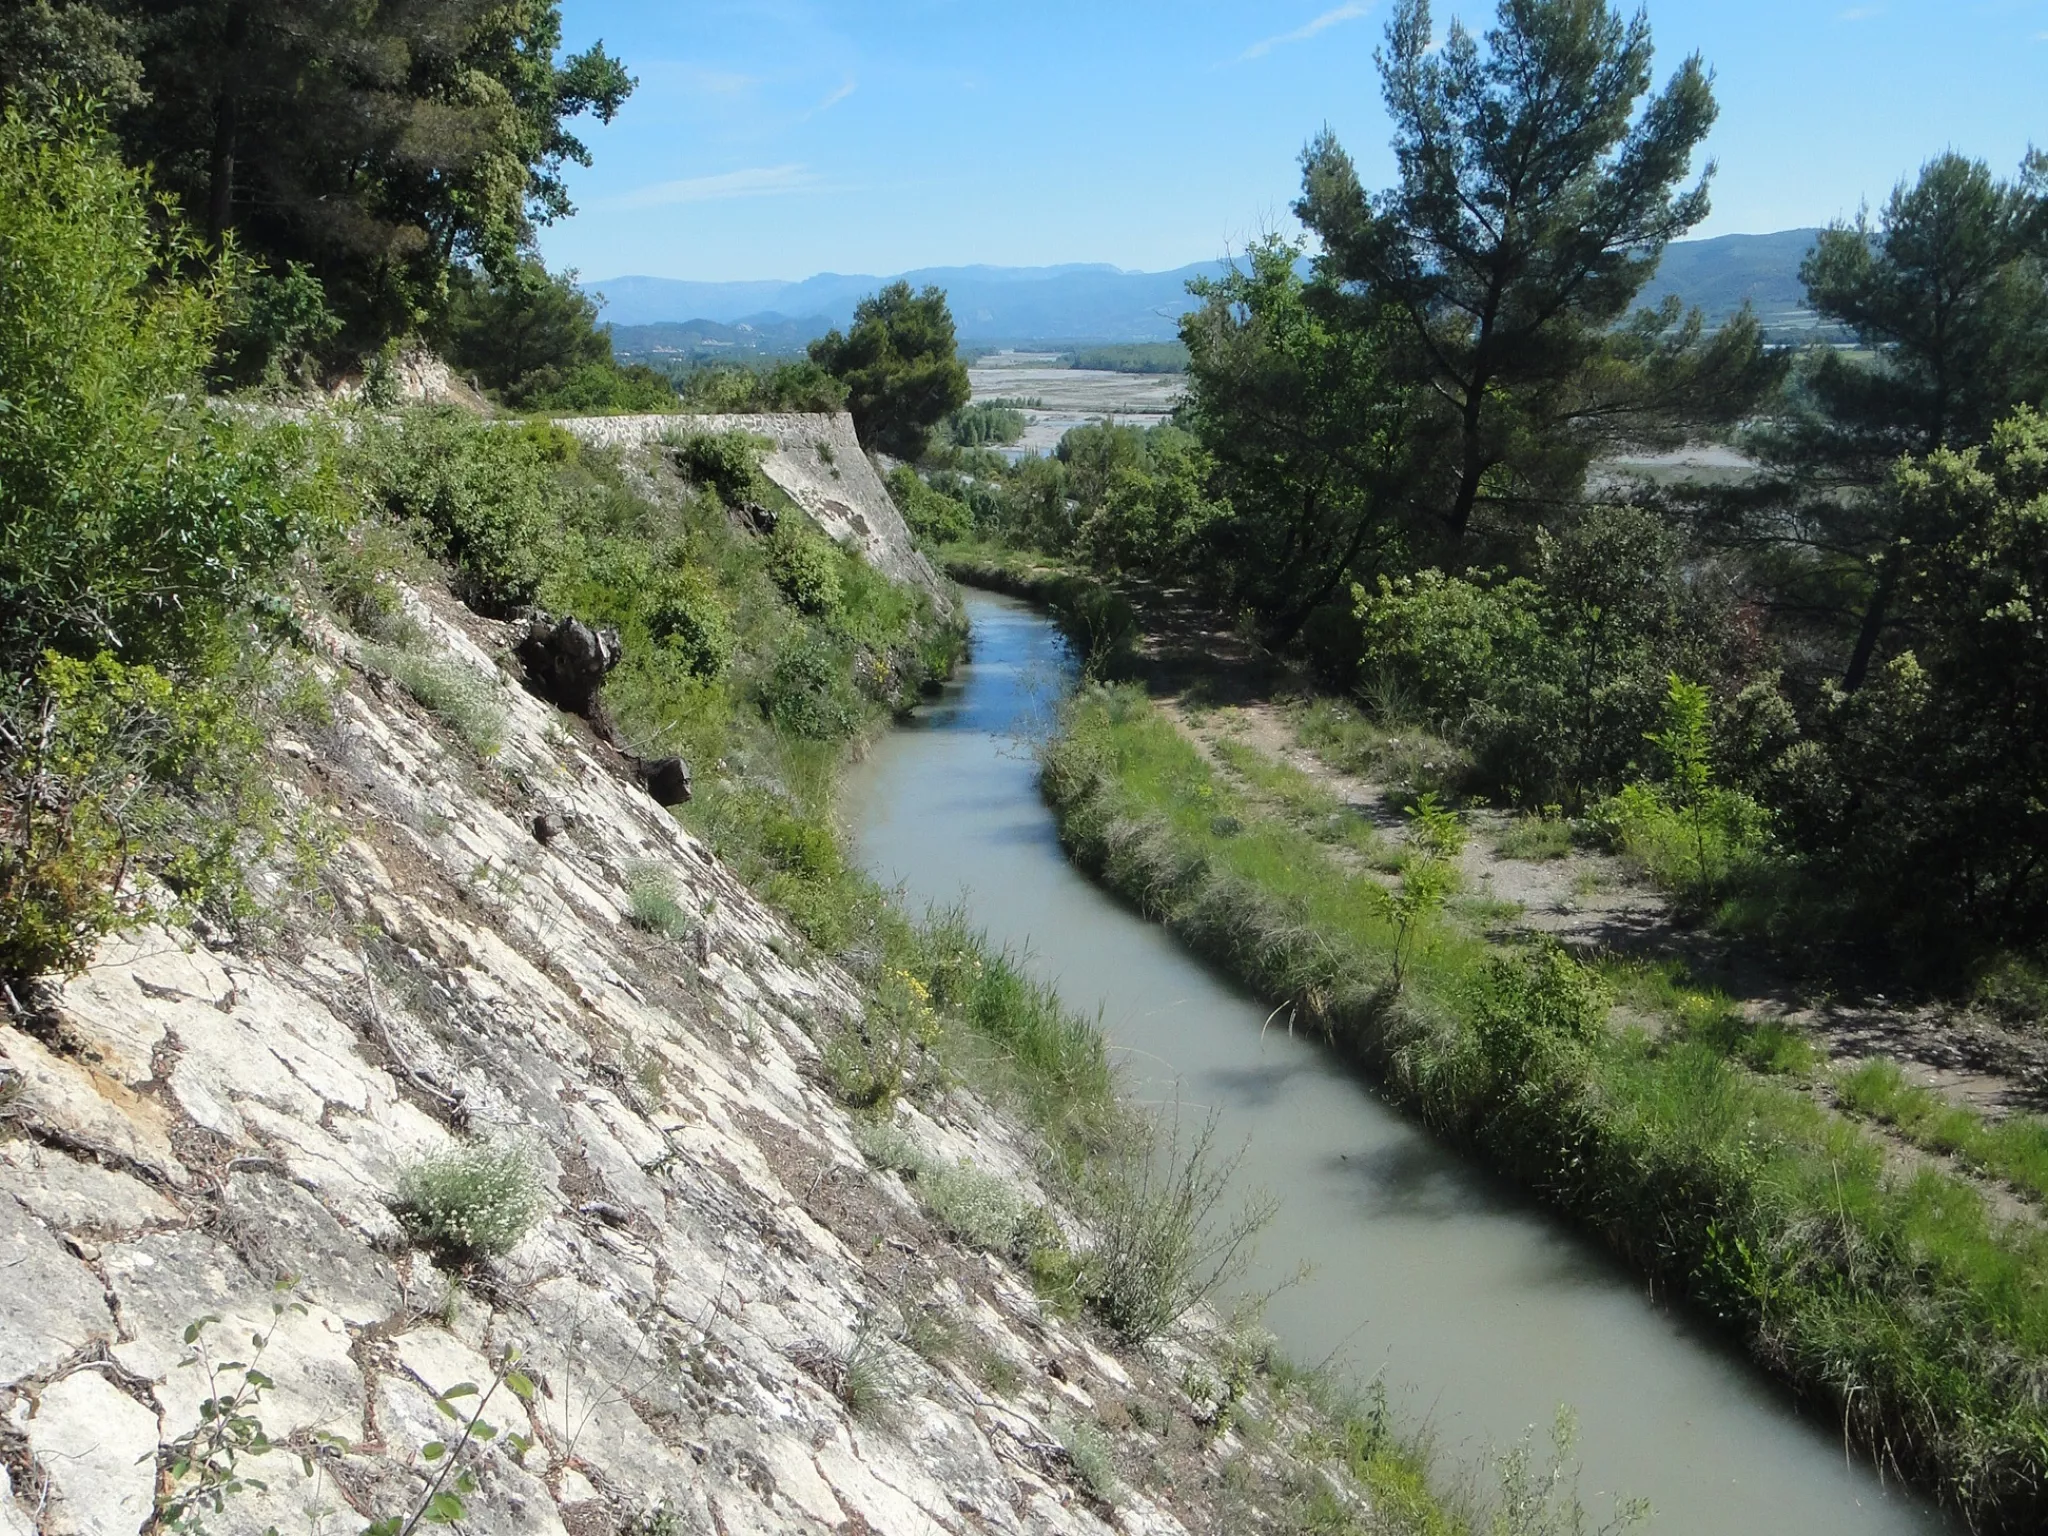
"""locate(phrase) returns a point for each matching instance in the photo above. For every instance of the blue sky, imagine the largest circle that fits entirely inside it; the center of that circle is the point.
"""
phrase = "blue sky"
(778, 138)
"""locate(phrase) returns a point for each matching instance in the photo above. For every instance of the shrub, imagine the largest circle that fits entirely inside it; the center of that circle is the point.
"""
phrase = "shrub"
(1088, 1454)
(487, 499)
(134, 521)
(447, 690)
(810, 692)
(652, 904)
(806, 567)
(689, 617)
(1157, 1250)
(979, 425)
(125, 798)
(728, 462)
(472, 1202)
(930, 513)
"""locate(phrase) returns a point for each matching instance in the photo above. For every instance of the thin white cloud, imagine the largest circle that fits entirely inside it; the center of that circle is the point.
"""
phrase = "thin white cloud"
(1343, 13)
(1859, 13)
(835, 98)
(757, 181)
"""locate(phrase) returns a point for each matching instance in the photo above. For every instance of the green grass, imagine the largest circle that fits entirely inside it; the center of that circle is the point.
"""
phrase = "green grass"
(1535, 839)
(652, 903)
(1408, 759)
(452, 693)
(1898, 1298)
(2014, 1149)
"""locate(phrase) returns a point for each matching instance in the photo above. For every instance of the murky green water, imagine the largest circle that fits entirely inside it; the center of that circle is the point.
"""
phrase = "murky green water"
(1481, 1312)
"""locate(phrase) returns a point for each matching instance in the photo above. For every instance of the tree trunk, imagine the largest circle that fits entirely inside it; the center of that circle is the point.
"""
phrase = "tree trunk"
(220, 193)
(1874, 618)
(1474, 470)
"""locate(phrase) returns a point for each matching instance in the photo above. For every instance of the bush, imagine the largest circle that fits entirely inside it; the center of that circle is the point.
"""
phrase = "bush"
(473, 1202)
(977, 426)
(931, 515)
(134, 522)
(125, 798)
(652, 904)
(806, 567)
(1157, 1250)
(447, 690)
(728, 462)
(810, 692)
(691, 619)
(487, 499)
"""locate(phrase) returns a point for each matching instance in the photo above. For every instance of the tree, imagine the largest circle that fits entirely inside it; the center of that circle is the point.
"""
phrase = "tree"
(1533, 203)
(1947, 295)
(1289, 394)
(381, 146)
(899, 364)
(1936, 795)
(507, 328)
(55, 51)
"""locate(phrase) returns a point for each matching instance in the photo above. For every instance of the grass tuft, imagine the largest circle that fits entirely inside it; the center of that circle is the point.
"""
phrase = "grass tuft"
(449, 691)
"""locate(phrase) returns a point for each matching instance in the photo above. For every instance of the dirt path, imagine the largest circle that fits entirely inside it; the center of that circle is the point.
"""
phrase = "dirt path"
(1596, 903)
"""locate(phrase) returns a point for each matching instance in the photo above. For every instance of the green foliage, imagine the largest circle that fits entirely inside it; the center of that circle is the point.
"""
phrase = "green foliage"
(281, 327)
(532, 338)
(486, 499)
(203, 1466)
(1507, 286)
(805, 566)
(1928, 789)
(653, 905)
(900, 368)
(2014, 1148)
(728, 462)
(1944, 295)
(985, 423)
(1737, 1190)
(727, 390)
(133, 520)
(1087, 1451)
(448, 690)
(1162, 1240)
(1289, 394)
(690, 618)
(933, 516)
(125, 798)
(471, 1202)
(385, 149)
(1553, 682)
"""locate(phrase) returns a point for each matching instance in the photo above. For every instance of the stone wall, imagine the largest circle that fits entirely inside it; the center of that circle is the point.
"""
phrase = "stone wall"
(817, 461)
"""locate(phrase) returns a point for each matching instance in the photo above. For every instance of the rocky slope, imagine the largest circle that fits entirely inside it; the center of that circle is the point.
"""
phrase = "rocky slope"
(202, 1132)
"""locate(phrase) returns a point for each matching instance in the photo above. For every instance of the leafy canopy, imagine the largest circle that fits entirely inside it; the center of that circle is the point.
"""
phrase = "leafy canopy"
(900, 368)
(1533, 203)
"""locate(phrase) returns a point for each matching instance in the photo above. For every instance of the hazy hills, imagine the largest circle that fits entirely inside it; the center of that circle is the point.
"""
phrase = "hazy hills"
(1098, 303)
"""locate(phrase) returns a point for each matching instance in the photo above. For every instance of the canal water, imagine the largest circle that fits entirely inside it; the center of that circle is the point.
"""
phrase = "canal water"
(1479, 1311)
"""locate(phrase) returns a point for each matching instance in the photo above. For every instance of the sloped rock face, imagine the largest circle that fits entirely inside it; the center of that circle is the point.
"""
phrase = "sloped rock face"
(213, 1133)
(818, 463)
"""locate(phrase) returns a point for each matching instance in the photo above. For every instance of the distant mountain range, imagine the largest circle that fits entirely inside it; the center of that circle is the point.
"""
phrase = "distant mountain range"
(1099, 303)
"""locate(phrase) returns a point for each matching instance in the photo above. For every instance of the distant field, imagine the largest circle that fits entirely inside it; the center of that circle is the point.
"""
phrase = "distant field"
(1070, 397)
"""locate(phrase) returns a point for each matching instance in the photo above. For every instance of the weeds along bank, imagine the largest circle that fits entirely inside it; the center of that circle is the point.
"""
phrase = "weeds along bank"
(1691, 1140)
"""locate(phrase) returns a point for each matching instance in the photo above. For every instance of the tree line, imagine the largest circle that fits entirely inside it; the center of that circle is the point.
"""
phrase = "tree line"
(1404, 455)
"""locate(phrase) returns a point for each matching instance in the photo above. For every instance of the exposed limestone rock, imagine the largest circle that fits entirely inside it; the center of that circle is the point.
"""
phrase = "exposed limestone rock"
(98, 1444)
(53, 1305)
(215, 1133)
(207, 1127)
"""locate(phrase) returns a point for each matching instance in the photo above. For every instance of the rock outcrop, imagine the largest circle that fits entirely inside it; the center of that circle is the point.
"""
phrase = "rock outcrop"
(818, 463)
(205, 1132)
